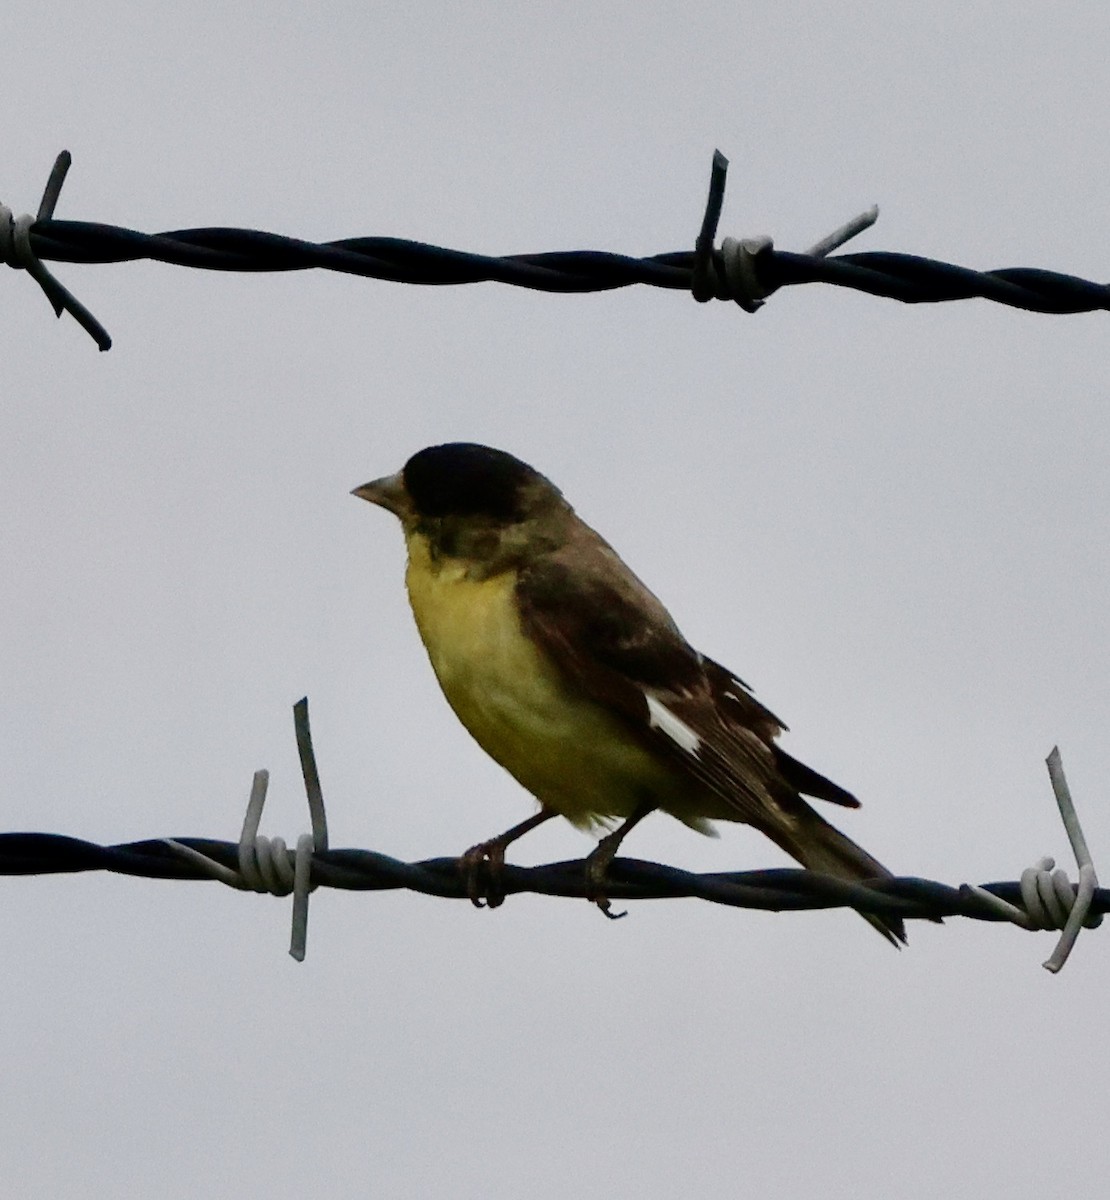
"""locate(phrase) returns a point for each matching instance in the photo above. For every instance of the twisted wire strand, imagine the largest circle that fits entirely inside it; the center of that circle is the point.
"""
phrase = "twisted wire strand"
(782, 889)
(746, 271)
(909, 278)
(1041, 899)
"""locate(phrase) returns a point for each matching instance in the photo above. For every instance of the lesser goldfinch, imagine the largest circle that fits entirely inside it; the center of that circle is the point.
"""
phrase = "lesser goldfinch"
(575, 678)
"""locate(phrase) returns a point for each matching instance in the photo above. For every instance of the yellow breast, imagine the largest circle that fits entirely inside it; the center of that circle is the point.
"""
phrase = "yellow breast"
(570, 753)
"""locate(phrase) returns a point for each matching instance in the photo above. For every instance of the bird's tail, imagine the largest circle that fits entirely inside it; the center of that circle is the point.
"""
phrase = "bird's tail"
(820, 847)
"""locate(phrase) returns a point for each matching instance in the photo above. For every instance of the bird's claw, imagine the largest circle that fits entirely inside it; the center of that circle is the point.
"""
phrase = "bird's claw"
(481, 867)
(605, 906)
(597, 867)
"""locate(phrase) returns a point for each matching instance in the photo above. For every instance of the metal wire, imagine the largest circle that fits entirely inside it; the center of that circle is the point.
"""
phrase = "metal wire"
(778, 890)
(256, 863)
(705, 271)
(905, 277)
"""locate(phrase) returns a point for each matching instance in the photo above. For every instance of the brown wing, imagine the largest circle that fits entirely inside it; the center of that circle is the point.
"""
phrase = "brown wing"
(614, 640)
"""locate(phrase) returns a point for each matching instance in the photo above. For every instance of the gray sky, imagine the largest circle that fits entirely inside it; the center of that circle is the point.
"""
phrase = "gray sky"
(890, 520)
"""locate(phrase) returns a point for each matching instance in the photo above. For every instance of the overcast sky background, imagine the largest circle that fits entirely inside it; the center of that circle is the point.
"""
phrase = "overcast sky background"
(890, 520)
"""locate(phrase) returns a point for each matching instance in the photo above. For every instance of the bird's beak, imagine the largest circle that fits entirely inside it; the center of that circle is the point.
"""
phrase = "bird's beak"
(389, 493)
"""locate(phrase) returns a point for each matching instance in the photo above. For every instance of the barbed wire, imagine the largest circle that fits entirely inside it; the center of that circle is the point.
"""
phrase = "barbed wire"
(1041, 899)
(745, 271)
(780, 889)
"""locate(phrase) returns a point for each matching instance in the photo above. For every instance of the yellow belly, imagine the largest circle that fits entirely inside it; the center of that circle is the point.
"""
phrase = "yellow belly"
(571, 754)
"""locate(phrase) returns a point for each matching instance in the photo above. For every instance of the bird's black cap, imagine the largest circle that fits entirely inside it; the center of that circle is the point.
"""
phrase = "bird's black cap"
(464, 479)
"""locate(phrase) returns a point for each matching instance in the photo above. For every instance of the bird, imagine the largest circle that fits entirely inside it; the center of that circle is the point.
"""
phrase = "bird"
(573, 676)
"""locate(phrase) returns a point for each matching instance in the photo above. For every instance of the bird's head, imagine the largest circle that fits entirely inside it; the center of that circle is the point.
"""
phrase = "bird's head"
(472, 501)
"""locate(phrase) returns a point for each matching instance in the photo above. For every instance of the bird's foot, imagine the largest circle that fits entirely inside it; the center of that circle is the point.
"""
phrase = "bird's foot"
(597, 867)
(481, 867)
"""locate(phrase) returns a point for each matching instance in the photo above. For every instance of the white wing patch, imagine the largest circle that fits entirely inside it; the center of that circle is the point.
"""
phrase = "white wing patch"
(660, 717)
(742, 692)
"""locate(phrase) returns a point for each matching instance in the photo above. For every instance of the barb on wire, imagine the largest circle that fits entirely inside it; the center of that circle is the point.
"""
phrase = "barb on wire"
(17, 249)
(741, 269)
(701, 280)
(746, 271)
(265, 865)
(1048, 900)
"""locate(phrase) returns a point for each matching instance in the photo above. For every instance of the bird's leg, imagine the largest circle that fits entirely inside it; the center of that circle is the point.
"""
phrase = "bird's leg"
(597, 864)
(482, 864)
